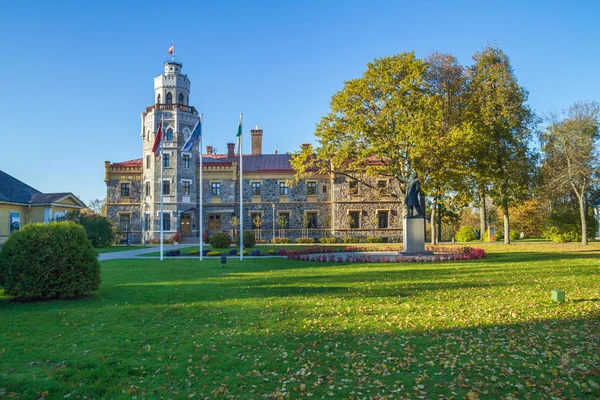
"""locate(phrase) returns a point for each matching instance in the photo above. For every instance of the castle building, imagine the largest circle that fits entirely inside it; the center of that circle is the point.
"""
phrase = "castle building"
(322, 205)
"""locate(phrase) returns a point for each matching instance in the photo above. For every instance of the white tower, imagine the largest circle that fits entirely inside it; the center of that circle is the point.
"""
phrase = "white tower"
(171, 103)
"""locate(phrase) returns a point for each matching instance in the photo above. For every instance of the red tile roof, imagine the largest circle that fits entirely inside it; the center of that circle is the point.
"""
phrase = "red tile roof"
(131, 163)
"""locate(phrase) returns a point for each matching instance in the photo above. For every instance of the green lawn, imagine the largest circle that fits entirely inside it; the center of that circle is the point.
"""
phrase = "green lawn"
(273, 328)
(117, 248)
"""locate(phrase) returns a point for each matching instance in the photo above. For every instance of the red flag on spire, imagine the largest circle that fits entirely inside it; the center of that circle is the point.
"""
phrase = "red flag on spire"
(172, 48)
(157, 139)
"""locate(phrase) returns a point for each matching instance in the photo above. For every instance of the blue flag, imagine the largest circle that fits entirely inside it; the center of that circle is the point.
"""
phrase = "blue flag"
(196, 133)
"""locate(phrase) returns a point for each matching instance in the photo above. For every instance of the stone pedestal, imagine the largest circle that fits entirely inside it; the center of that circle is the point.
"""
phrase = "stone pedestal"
(413, 236)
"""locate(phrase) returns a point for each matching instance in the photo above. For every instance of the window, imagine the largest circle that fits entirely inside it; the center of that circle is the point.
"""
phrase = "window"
(256, 219)
(147, 189)
(124, 222)
(381, 185)
(166, 221)
(125, 189)
(255, 188)
(14, 221)
(169, 135)
(311, 188)
(311, 218)
(146, 222)
(383, 219)
(166, 187)
(186, 161)
(324, 189)
(185, 188)
(283, 221)
(148, 161)
(216, 188)
(353, 188)
(169, 98)
(284, 189)
(47, 215)
(354, 219)
(165, 160)
(158, 99)
(180, 99)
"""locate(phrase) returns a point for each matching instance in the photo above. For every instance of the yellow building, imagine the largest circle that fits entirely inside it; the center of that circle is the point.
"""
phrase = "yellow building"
(20, 204)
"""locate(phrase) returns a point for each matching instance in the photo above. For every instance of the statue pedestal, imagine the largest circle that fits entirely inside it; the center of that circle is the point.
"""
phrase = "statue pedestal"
(413, 236)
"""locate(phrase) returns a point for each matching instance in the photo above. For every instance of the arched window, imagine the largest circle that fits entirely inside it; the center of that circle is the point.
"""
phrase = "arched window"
(158, 99)
(169, 98)
(169, 137)
(181, 98)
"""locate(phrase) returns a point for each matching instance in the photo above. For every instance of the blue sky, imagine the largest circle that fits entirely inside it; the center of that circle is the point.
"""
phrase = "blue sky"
(76, 74)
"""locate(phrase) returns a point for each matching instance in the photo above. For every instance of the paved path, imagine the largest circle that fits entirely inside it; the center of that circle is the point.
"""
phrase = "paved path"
(136, 252)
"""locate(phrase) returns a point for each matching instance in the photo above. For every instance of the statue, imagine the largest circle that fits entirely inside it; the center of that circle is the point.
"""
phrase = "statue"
(412, 199)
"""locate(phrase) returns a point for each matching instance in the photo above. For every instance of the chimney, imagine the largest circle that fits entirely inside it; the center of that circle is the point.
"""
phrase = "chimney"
(256, 140)
(230, 150)
(305, 145)
(209, 150)
(276, 151)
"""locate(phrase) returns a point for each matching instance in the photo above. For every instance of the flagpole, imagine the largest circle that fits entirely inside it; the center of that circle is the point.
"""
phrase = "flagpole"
(161, 193)
(200, 200)
(241, 191)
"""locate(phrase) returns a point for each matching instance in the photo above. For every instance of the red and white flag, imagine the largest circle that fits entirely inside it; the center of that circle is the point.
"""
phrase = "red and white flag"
(172, 48)
(157, 139)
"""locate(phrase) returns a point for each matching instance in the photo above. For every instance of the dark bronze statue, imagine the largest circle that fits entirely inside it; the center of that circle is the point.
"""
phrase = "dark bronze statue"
(412, 199)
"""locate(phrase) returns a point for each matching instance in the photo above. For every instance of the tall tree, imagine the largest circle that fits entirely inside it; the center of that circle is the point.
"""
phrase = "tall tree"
(503, 126)
(378, 125)
(570, 151)
(447, 83)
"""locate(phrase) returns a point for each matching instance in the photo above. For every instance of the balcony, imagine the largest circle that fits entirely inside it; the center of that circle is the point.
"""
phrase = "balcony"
(171, 107)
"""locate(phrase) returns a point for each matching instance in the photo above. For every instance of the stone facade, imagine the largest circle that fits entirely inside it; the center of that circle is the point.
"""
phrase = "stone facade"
(315, 207)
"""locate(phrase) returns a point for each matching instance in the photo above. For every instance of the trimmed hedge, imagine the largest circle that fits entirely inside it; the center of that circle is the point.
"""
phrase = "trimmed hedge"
(220, 240)
(328, 240)
(465, 233)
(281, 240)
(249, 240)
(305, 240)
(54, 261)
(374, 240)
(351, 240)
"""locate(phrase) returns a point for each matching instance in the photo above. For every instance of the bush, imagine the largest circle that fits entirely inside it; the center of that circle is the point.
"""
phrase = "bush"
(249, 240)
(220, 240)
(54, 261)
(205, 252)
(213, 253)
(515, 234)
(233, 252)
(374, 240)
(328, 240)
(281, 240)
(351, 240)
(305, 240)
(98, 229)
(173, 253)
(466, 233)
(255, 253)
(194, 253)
(271, 252)
(565, 226)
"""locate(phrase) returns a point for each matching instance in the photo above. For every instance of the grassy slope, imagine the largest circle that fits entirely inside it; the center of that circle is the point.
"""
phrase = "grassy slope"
(277, 327)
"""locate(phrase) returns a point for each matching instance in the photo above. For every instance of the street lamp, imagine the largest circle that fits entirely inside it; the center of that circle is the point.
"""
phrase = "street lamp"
(273, 205)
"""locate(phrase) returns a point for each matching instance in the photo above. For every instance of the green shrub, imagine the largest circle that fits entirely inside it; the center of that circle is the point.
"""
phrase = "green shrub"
(305, 240)
(54, 261)
(374, 240)
(351, 240)
(220, 240)
(465, 233)
(249, 240)
(281, 240)
(99, 230)
(515, 234)
(272, 252)
(565, 226)
(213, 253)
(328, 240)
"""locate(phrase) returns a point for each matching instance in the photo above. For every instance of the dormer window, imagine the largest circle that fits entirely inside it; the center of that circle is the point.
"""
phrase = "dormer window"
(169, 98)
(158, 99)
(169, 137)
(181, 98)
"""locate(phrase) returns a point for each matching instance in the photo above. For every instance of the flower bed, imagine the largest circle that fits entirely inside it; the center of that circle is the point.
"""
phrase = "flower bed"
(325, 254)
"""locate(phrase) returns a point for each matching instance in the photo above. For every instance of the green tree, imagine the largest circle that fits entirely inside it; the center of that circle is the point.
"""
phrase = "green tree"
(374, 125)
(570, 163)
(502, 125)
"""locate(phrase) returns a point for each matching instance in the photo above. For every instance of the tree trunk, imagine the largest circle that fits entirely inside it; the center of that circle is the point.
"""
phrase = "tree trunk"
(433, 227)
(482, 213)
(584, 238)
(439, 220)
(506, 222)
